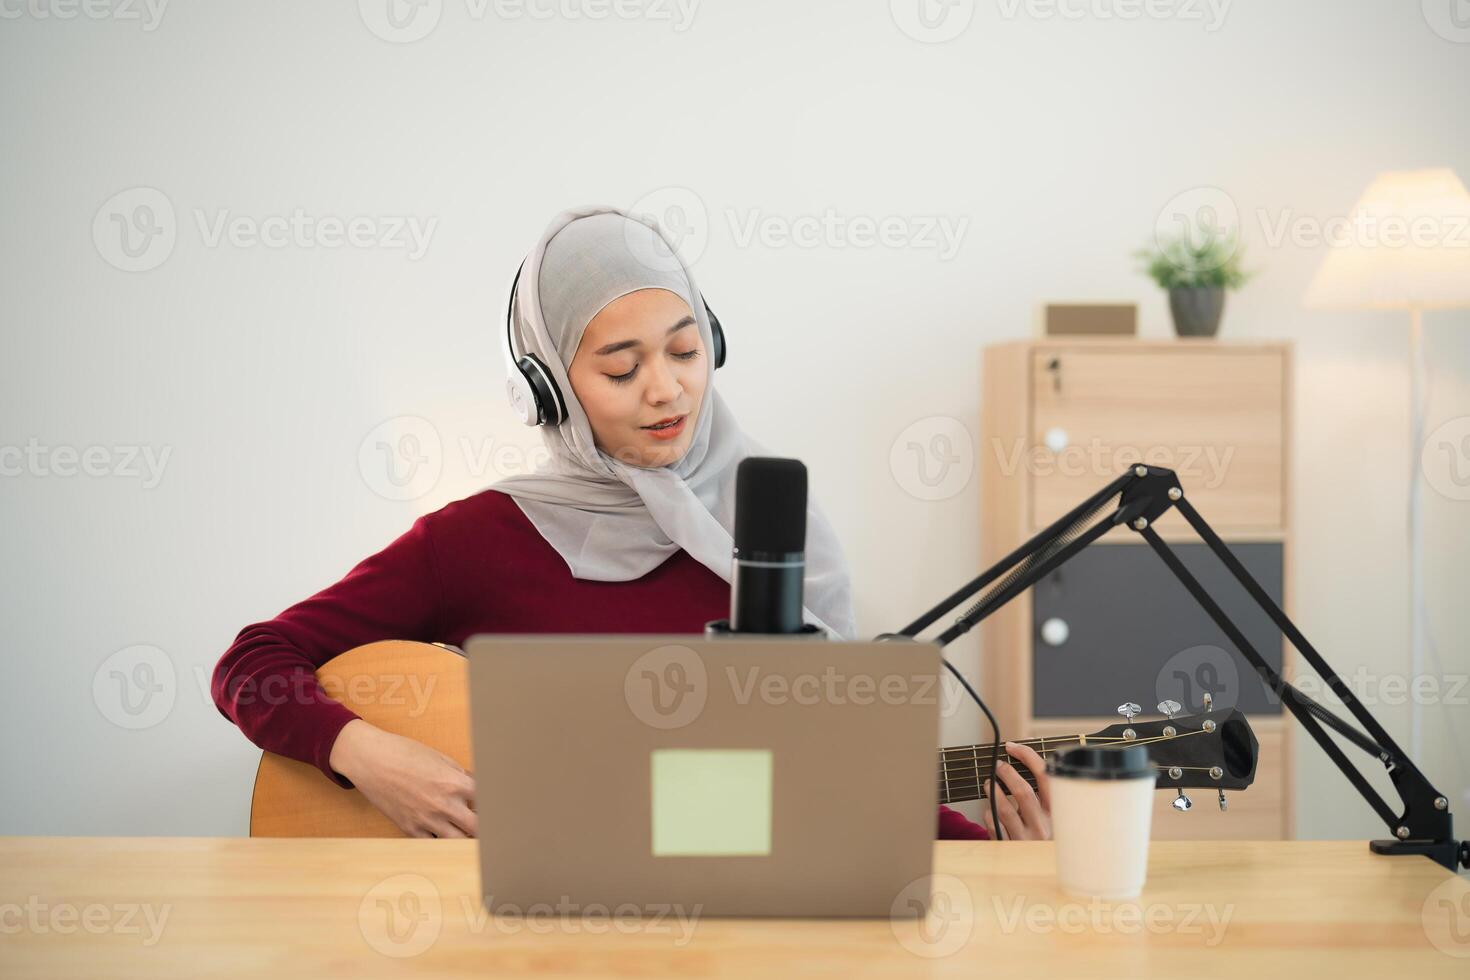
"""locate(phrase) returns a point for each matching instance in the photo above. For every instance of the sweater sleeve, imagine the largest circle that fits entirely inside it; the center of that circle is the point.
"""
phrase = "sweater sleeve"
(266, 682)
(956, 826)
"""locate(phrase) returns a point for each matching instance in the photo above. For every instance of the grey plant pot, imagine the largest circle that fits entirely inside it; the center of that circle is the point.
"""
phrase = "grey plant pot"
(1197, 309)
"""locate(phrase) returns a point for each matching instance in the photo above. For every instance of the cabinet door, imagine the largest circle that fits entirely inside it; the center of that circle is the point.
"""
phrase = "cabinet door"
(1213, 415)
(1134, 633)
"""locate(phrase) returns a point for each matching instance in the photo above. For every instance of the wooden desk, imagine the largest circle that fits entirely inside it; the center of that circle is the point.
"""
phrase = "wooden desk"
(284, 908)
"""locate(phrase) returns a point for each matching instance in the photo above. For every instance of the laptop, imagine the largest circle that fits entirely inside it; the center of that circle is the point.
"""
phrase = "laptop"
(733, 776)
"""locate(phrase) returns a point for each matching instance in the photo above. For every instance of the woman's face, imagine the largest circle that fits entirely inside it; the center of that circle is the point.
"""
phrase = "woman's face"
(641, 361)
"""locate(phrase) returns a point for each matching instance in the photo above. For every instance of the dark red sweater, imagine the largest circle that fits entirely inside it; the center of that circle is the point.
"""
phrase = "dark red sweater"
(477, 565)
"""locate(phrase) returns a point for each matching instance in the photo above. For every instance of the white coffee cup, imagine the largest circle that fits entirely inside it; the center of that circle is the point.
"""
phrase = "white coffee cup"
(1101, 810)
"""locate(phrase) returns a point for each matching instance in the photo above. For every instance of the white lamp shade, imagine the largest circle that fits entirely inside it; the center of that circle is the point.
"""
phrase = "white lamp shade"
(1406, 244)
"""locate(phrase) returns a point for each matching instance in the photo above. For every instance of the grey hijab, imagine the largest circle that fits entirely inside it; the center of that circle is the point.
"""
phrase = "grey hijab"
(609, 520)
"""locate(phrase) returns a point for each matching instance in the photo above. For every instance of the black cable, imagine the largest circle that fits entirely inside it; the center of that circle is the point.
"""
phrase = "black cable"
(983, 606)
(995, 750)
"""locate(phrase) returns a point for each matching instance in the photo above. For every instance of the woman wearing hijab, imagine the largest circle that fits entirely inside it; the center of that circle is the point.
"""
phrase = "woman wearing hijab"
(626, 529)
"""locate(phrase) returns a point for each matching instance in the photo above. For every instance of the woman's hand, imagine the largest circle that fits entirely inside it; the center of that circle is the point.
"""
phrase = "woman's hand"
(423, 791)
(1025, 814)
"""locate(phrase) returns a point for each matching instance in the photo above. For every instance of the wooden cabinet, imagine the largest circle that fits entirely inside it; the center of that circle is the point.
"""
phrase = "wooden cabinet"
(1214, 416)
(1060, 419)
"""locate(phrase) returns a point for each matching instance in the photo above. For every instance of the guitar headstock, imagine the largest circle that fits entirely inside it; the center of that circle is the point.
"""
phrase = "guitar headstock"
(1214, 750)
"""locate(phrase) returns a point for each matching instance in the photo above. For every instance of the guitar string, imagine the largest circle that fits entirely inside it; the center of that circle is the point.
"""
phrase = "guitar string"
(969, 765)
(952, 793)
(973, 779)
(973, 750)
(1108, 739)
(953, 790)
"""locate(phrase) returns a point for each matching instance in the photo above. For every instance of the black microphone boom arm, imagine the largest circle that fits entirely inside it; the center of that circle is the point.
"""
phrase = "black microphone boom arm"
(1139, 498)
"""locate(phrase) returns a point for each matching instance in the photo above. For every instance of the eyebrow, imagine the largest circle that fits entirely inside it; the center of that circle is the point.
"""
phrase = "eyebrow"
(613, 348)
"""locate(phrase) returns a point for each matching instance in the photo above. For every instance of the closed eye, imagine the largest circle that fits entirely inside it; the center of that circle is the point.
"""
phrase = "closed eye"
(623, 379)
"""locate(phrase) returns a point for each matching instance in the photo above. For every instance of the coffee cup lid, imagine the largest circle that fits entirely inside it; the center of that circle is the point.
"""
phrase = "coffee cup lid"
(1102, 762)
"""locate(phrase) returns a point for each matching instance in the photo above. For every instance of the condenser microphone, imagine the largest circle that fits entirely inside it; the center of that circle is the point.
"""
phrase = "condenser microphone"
(770, 546)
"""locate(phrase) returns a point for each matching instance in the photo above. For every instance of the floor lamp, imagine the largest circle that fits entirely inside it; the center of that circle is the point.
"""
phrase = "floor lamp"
(1404, 246)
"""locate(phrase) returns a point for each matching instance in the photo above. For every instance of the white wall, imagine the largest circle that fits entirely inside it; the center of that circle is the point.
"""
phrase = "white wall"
(261, 370)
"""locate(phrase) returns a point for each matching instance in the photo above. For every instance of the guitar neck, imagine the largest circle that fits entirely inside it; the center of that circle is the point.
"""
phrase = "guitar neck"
(965, 770)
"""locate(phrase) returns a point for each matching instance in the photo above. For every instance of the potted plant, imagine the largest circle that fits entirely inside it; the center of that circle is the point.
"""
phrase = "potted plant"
(1196, 271)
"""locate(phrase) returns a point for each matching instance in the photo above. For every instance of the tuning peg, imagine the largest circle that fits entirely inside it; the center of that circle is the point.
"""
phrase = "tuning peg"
(1167, 708)
(1223, 805)
(1182, 802)
(1128, 710)
(1209, 700)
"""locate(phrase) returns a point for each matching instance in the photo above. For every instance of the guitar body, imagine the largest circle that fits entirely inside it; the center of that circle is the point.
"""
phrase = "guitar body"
(418, 690)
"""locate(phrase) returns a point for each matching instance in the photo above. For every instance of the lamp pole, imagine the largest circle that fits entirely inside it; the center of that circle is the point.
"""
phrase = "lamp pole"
(1418, 371)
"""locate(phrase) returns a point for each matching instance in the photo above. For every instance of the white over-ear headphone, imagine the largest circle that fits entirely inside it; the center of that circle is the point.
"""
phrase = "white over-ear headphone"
(534, 395)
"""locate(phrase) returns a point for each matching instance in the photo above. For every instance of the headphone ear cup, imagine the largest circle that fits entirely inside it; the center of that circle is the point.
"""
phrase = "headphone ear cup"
(522, 397)
(551, 410)
(717, 332)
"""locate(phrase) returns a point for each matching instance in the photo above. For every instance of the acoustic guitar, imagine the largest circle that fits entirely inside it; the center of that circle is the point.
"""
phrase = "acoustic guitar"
(421, 691)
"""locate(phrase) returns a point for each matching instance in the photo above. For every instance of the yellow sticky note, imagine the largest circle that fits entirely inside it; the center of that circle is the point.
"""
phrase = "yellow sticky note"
(711, 802)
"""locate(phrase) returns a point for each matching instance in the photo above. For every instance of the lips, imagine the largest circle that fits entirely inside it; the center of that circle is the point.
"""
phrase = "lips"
(667, 429)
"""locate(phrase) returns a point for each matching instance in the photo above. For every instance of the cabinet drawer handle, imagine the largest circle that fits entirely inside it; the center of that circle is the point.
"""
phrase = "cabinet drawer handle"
(1054, 632)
